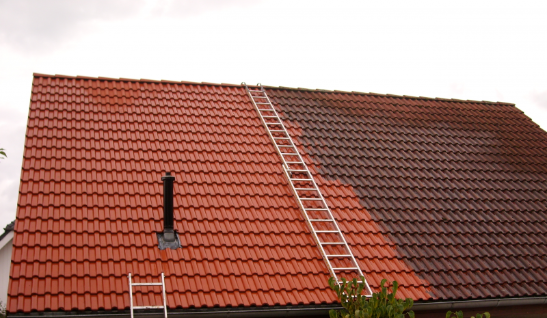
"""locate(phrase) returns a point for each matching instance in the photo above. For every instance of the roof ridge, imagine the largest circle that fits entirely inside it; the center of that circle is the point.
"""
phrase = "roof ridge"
(391, 95)
(124, 79)
(144, 80)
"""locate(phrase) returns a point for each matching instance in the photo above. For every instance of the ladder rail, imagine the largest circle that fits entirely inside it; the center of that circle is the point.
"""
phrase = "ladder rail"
(315, 236)
(131, 305)
(130, 295)
(280, 128)
(164, 298)
(336, 226)
(284, 129)
(338, 231)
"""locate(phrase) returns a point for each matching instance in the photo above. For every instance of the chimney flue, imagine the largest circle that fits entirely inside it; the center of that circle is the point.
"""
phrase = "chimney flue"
(168, 232)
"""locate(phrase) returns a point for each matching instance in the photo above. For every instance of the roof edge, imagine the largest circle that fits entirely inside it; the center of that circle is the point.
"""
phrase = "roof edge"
(246, 312)
(9, 228)
(287, 311)
(479, 303)
(144, 80)
(124, 79)
(390, 95)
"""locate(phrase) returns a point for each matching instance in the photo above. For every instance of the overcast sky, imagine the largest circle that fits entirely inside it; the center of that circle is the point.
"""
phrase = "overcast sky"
(481, 50)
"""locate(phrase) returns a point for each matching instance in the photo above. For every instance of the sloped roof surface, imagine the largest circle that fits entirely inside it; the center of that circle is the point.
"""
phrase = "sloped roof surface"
(447, 198)
(90, 203)
(459, 187)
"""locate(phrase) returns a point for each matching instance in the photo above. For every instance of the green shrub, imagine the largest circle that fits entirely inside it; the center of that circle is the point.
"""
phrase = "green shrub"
(381, 305)
(2, 310)
(459, 314)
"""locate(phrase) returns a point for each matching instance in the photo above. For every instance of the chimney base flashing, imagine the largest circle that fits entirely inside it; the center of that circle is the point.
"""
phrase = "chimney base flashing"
(164, 241)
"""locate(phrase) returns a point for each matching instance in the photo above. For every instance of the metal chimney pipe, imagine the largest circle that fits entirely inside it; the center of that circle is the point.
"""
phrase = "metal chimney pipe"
(168, 232)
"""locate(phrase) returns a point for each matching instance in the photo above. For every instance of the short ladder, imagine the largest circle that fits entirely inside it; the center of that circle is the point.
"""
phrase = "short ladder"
(332, 244)
(162, 284)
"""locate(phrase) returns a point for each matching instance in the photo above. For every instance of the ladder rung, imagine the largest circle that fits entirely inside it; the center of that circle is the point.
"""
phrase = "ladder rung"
(270, 116)
(279, 123)
(286, 146)
(131, 303)
(326, 231)
(321, 220)
(339, 255)
(316, 209)
(332, 243)
(301, 179)
(297, 170)
(285, 138)
(294, 163)
(264, 109)
(311, 199)
(277, 130)
(255, 91)
(147, 307)
(306, 189)
(344, 268)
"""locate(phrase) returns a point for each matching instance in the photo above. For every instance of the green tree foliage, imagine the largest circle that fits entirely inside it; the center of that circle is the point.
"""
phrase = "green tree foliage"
(459, 314)
(3, 153)
(382, 304)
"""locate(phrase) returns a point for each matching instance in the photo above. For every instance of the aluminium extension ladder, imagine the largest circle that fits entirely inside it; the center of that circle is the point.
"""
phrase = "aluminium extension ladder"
(332, 244)
(162, 284)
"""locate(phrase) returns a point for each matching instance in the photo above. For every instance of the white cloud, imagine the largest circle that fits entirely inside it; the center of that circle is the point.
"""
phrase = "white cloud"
(37, 26)
(13, 127)
(540, 99)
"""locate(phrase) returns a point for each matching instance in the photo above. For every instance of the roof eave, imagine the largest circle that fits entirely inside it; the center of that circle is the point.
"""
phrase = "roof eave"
(248, 312)
(290, 311)
(479, 303)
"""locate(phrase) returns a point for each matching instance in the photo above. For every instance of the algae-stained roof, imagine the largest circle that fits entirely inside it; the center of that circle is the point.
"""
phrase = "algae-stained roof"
(446, 197)
(457, 188)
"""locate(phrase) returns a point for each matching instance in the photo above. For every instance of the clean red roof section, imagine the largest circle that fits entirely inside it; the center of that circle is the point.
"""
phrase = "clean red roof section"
(90, 203)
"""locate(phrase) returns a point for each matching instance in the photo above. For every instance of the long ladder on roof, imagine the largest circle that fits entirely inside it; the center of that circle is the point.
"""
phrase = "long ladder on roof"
(162, 284)
(332, 244)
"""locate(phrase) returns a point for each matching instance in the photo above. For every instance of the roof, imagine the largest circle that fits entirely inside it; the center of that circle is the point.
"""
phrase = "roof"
(7, 236)
(445, 196)
(7, 229)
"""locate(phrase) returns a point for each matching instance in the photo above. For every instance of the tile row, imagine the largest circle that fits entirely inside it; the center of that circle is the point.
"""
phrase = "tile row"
(306, 111)
(63, 86)
(364, 99)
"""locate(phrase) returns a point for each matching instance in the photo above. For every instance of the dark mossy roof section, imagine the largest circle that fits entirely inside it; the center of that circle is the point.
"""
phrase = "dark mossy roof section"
(459, 187)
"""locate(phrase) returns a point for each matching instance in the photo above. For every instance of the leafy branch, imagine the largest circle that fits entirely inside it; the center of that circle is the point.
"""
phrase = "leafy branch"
(383, 304)
(459, 314)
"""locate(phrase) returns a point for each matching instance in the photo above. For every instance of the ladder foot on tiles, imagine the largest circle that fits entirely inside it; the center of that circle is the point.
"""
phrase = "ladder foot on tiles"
(333, 246)
(162, 284)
